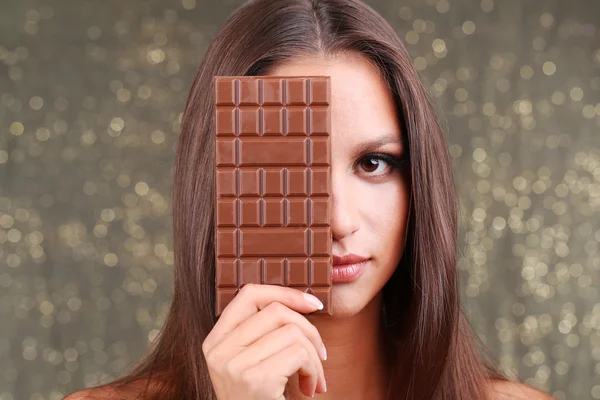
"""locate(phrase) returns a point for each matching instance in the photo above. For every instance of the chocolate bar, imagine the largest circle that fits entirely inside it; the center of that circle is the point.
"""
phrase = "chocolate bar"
(273, 185)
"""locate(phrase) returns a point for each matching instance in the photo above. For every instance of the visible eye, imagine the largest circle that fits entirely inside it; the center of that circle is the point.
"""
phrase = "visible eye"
(372, 164)
(384, 163)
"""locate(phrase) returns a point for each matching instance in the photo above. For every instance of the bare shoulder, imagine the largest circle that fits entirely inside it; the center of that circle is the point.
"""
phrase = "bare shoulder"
(130, 391)
(105, 393)
(508, 390)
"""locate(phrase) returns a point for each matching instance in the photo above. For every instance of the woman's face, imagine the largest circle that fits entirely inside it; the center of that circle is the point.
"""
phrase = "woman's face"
(370, 196)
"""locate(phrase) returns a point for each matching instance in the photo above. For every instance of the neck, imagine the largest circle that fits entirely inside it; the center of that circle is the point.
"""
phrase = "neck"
(355, 368)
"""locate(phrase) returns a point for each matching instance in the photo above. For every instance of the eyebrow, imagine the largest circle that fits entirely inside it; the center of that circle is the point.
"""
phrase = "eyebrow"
(373, 145)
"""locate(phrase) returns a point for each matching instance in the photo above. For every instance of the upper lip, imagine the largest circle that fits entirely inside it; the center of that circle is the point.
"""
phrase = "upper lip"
(348, 259)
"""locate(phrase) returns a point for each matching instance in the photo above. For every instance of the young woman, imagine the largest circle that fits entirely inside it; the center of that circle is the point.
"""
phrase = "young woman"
(398, 331)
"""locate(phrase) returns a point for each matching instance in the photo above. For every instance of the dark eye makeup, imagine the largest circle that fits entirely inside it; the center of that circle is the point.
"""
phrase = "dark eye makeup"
(394, 163)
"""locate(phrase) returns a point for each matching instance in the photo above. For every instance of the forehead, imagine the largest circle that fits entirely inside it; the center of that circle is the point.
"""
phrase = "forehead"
(361, 103)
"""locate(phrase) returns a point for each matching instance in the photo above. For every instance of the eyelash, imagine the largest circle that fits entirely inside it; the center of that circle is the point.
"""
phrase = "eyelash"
(393, 161)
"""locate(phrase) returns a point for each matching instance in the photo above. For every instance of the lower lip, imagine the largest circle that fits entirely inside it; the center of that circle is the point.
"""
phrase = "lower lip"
(344, 273)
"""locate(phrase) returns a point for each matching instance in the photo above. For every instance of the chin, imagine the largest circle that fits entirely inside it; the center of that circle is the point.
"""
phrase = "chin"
(347, 306)
(349, 299)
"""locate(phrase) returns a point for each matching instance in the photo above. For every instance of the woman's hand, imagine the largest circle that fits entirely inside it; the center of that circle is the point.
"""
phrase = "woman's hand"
(260, 340)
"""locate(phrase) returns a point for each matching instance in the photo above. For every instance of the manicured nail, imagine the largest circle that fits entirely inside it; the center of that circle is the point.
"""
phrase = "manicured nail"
(313, 300)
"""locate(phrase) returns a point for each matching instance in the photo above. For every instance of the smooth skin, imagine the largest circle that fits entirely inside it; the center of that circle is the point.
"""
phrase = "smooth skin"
(370, 196)
(267, 337)
(260, 340)
(252, 353)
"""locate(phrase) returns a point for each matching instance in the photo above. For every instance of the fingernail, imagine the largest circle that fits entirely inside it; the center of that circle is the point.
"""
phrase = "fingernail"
(313, 300)
(324, 352)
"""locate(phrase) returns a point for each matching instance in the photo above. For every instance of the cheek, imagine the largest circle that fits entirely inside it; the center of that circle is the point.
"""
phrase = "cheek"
(385, 211)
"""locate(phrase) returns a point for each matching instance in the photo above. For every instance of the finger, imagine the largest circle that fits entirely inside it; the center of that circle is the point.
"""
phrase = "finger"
(269, 319)
(251, 299)
(273, 343)
(280, 366)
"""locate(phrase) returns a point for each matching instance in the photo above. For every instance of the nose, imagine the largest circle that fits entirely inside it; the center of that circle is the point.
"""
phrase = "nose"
(344, 212)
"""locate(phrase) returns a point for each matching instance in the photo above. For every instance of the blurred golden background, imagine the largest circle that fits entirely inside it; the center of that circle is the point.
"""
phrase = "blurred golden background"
(91, 96)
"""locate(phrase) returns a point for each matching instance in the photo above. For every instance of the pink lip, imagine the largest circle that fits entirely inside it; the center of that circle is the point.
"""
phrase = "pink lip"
(348, 259)
(345, 273)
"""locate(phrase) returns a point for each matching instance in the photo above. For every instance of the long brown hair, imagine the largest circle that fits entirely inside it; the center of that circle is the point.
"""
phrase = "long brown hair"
(435, 353)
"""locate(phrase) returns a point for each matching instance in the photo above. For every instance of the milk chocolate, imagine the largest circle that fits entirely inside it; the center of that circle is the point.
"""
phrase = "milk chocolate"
(273, 184)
